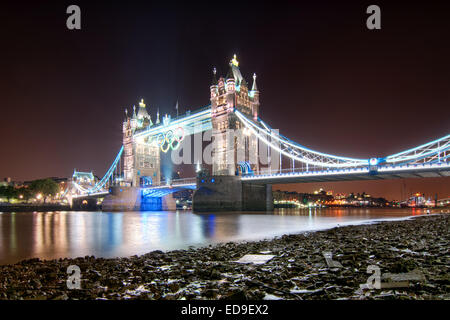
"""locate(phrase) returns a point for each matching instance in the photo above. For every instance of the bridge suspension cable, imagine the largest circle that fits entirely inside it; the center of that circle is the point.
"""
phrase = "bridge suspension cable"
(431, 152)
(296, 151)
(99, 185)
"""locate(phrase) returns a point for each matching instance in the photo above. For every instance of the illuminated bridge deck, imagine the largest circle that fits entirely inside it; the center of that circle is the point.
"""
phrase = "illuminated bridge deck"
(349, 174)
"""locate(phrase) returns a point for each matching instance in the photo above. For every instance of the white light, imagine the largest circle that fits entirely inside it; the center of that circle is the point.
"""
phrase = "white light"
(284, 141)
(443, 146)
(206, 114)
(320, 164)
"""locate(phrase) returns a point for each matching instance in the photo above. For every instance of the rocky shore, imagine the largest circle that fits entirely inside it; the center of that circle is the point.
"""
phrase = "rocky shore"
(298, 269)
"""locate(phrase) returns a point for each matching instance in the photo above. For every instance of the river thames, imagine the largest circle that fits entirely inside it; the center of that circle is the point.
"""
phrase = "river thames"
(53, 235)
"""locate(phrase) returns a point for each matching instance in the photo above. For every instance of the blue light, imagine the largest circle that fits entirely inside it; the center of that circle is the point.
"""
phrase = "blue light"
(212, 180)
(203, 180)
(108, 174)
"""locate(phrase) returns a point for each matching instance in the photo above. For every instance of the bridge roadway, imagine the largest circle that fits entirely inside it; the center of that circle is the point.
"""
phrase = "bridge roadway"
(164, 189)
(433, 170)
(247, 193)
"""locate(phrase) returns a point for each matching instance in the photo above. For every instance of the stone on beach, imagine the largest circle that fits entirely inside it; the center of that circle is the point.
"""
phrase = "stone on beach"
(287, 267)
(255, 258)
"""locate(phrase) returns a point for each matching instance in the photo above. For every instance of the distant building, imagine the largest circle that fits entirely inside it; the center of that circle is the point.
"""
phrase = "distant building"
(6, 182)
(84, 179)
(443, 202)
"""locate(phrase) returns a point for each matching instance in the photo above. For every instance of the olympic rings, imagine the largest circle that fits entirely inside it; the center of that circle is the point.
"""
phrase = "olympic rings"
(169, 137)
(180, 136)
(169, 140)
(166, 149)
(176, 145)
(160, 139)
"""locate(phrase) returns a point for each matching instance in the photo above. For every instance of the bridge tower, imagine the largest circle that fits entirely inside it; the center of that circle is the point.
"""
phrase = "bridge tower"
(141, 158)
(226, 94)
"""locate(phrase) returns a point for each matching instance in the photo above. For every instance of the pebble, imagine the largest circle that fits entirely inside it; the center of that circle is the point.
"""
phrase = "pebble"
(298, 269)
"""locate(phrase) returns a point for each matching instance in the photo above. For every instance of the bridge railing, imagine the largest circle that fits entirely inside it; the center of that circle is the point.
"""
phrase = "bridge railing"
(174, 183)
(443, 165)
(304, 171)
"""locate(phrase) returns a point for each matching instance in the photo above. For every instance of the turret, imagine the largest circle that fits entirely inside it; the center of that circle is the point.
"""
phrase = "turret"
(254, 93)
(230, 81)
(232, 93)
(134, 119)
(254, 87)
(142, 113)
(221, 86)
(126, 122)
(144, 119)
(150, 122)
(214, 85)
(157, 117)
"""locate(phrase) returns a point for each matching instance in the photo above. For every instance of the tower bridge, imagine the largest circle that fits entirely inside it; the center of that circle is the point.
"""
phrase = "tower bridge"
(237, 181)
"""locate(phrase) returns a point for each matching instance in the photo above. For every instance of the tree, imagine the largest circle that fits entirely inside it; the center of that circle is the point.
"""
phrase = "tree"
(47, 187)
(8, 192)
(26, 193)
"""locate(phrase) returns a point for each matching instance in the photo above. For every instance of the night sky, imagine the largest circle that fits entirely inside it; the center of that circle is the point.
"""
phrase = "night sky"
(326, 81)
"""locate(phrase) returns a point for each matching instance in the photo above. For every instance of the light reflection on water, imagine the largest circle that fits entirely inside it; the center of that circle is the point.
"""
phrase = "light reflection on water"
(50, 235)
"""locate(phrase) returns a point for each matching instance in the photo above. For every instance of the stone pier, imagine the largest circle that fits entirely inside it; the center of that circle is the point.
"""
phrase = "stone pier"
(131, 199)
(123, 199)
(229, 193)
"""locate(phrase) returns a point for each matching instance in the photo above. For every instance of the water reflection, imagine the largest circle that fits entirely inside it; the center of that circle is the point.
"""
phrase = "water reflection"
(50, 235)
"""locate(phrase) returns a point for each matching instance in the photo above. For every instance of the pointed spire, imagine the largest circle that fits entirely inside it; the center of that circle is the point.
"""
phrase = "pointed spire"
(157, 117)
(254, 87)
(126, 113)
(142, 113)
(134, 112)
(150, 120)
(214, 79)
(234, 61)
(230, 74)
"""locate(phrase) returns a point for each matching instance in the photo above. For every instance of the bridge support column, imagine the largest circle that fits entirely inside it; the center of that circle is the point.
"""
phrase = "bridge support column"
(269, 197)
(168, 203)
(131, 199)
(228, 193)
(85, 203)
(123, 199)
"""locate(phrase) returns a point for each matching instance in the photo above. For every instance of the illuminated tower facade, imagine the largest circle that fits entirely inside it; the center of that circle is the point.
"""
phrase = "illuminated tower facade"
(233, 146)
(141, 157)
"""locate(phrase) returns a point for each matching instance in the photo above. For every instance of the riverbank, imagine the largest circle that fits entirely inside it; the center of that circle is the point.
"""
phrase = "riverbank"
(298, 269)
(23, 207)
